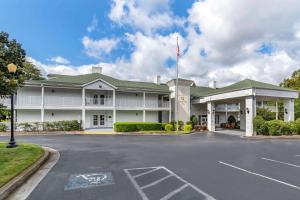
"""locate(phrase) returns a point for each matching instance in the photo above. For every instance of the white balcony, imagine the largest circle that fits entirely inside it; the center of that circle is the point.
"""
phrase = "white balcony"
(62, 101)
(129, 103)
(99, 102)
(157, 104)
(29, 101)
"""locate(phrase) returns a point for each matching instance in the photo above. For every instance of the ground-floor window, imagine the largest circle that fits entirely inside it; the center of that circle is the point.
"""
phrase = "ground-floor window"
(95, 120)
(202, 119)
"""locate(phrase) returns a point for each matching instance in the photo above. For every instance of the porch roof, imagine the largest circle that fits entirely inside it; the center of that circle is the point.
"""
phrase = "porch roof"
(79, 80)
(242, 85)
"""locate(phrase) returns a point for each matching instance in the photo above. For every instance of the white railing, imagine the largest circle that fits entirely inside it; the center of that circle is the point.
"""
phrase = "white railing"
(157, 104)
(29, 100)
(62, 101)
(98, 102)
(129, 103)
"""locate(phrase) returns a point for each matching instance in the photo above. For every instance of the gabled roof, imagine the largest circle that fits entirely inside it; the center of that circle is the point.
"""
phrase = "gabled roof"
(79, 80)
(241, 85)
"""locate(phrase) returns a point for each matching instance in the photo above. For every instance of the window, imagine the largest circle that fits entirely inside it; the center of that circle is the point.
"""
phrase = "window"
(102, 98)
(102, 120)
(95, 120)
(95, 99)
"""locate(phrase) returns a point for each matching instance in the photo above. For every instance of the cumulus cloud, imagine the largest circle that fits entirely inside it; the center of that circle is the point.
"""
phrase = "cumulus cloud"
(98, 48)
(147, 16)
(59, 60)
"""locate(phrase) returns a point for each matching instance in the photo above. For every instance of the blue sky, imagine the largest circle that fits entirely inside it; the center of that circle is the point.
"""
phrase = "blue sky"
(136, 39)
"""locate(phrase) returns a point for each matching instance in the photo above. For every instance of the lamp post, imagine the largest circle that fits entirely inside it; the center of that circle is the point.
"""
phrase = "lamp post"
(12, 68)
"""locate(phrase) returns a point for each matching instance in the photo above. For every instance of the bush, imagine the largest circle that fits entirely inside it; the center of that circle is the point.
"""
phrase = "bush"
(72, 125)
(3, 127)
(188, 128)
(266, 114)
(287, 128)
(137, 126)
(258, 123)
(169, 127)
(297, 126)
(194, 120)
(274, 127)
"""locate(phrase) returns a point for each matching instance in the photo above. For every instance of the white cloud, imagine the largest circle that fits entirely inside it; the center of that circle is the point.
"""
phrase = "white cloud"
(59, 60)
(98, 48)
(146, 16)
(93, 25)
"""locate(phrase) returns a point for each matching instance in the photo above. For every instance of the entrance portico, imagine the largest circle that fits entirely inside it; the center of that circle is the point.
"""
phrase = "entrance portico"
(246, 100)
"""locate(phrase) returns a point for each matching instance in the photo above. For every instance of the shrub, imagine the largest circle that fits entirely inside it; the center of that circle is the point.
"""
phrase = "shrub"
(297, 127)
(287, 128)
(274, 127)
(169, 127)
(137, 126)
(194, 120)
(188, 128)
(258, 123)
(27, 127)
(3, 127)
(163, 125)
(266, 114)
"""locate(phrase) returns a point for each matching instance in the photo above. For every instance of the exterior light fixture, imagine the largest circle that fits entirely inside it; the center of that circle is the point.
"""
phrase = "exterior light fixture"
(208, 111)
(248, 111)
(12, 68)
(286, 111)
(241, 112)
(213, 111)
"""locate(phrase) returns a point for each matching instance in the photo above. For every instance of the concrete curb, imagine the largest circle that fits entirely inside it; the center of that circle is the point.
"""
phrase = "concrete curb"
(285, 137)
(16, 182)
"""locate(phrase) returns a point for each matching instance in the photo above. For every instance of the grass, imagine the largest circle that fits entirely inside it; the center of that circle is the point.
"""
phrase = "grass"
(15, 160)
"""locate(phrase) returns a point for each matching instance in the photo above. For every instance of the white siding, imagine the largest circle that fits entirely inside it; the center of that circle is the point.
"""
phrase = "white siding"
(61, 115)
(129, 116)
(28, 116)
(151, 116)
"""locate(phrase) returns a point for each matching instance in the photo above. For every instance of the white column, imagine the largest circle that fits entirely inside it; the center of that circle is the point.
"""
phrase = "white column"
(170, 109)
(144, 106)
(83, 109)
(42, 104)
(226, 112)
(242, 115)
(114, 107)
(250, 103)
(211, 116)
(289, 110)
(276, 110)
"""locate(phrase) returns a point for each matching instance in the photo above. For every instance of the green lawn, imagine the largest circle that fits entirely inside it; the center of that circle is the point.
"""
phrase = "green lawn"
(14, 160)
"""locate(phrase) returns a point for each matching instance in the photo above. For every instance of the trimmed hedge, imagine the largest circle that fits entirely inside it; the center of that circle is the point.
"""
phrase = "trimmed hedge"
(169, 128)
(275, 127)
(188, 128)
(72, 125)
(137, 126)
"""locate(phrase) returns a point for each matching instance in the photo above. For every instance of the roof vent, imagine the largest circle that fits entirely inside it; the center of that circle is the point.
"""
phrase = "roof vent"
(96, 69)
(212, 84)
(157, 80)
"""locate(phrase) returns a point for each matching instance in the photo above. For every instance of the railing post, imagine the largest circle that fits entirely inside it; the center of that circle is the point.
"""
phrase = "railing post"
(114, 107)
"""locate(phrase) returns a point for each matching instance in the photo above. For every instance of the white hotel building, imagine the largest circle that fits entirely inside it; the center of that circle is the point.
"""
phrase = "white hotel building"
(99, 101)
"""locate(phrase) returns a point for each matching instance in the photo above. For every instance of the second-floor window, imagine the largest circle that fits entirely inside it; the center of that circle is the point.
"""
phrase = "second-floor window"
(95, 99)
(102, 98)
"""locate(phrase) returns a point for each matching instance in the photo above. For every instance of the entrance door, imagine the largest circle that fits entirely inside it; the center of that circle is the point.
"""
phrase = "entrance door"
(102, 121)
(202, 119)
(95, 120)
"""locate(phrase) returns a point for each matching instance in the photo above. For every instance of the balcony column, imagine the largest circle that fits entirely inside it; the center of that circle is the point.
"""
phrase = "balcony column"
(289, 110)
(276, 110)
(211, 116)
(144, 106)
(42, 104)
(114, 107)
(170, 108)
(83, 109)
(250, 103)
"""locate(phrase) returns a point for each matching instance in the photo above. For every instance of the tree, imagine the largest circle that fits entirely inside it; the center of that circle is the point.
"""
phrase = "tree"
(266, 114)
(31, 72)
(294, 83)
(10, 52)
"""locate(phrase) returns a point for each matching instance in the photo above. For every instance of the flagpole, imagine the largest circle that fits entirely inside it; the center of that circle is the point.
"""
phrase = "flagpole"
(176, 92)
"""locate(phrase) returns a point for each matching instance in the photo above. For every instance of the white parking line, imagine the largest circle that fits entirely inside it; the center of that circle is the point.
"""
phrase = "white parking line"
(277, 161)
(260, 175)
(169, 195)
(156, 182)
(147, 172)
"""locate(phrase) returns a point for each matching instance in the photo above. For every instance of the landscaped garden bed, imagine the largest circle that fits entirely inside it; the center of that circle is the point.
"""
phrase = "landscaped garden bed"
(13, 161)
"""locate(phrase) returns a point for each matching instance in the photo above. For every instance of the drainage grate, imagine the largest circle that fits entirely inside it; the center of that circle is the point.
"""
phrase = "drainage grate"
(89, 180)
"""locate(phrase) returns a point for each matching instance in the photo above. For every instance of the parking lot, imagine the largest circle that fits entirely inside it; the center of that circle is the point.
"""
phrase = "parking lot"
(203, 166)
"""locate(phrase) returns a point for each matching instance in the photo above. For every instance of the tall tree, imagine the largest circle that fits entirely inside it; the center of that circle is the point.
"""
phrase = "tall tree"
(10, 52)
(31, 72)
(294, 83)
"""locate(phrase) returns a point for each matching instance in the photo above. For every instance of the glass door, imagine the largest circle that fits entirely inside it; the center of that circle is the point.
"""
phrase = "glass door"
(102, 120)
(95, 120)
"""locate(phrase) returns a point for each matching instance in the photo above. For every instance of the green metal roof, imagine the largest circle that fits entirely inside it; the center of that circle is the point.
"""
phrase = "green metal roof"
(79, 80)
(201, 91)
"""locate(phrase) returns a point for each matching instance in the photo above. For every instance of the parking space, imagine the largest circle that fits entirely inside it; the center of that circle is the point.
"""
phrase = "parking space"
(204, 166)
(161, 183)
